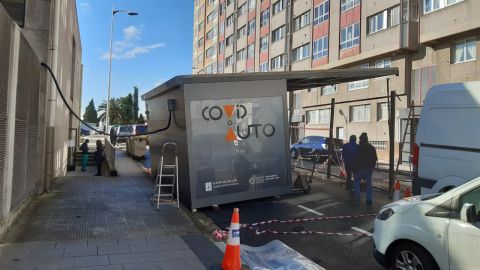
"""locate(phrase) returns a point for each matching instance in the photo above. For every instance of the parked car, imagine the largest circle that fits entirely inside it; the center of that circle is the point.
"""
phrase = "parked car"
(434, 231)
(447, 150)
(315, 146)
(124, 131)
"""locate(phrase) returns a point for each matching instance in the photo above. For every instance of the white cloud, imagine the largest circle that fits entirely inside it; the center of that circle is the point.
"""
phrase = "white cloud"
(84, 6)
(129, 46)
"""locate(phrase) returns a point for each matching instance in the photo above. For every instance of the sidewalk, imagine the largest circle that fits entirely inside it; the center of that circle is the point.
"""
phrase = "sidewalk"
(89, 222)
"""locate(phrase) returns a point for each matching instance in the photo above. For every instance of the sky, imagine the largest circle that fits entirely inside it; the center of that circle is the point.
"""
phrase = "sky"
(148, 49)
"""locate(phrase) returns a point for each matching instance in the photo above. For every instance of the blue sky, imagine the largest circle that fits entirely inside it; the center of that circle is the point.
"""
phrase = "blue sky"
(148, 49)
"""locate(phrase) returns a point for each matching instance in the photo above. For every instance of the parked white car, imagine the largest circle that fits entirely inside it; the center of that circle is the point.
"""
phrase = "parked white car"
(436, 231)
(446, 153)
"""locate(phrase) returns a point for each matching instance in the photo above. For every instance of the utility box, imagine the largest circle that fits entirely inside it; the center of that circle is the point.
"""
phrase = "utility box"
(232, 137)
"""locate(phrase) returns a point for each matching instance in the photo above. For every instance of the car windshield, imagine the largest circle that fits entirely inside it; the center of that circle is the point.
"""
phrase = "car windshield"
(430, 196)
(125, 129)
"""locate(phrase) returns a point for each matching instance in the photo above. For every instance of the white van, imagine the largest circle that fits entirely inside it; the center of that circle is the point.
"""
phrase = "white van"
(446, 153)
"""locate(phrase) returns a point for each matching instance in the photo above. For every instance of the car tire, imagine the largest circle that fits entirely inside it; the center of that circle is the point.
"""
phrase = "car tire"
(411, 255)
(293, 154)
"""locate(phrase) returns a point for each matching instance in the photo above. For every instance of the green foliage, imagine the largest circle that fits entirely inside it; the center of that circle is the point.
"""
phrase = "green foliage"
(90, 115)
(116, 113)
(135, 102)
(127, 105)
(141, 119)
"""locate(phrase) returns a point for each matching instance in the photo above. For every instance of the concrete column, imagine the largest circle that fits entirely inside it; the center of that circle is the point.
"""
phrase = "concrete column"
(12, 102)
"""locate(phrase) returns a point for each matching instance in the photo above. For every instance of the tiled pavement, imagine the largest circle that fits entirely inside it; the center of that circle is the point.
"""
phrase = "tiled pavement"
(105, 223)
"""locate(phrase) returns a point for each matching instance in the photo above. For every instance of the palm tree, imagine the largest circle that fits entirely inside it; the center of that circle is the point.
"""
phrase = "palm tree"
(115, 111)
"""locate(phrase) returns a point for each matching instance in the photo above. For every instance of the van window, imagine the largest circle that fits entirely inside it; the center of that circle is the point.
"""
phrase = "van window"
(140, 130)
(453, 127)
(125, 129)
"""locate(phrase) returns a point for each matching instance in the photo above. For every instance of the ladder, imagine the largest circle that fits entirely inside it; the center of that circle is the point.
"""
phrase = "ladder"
(167, 177)
(409, 130)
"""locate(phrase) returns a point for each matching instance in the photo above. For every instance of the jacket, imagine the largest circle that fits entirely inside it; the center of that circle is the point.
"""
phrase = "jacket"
(366, 157)
(349, 153)
(84, 148)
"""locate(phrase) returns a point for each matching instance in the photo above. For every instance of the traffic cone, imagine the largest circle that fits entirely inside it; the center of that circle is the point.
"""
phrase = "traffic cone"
(407, 193)
(396, 193)
(231, 259)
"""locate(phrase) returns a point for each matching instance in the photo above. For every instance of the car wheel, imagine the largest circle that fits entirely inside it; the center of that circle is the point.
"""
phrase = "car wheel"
(293, 154)
(411, 256)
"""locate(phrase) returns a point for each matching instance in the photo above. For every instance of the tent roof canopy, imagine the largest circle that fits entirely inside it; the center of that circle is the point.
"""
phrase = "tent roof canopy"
(296, 80)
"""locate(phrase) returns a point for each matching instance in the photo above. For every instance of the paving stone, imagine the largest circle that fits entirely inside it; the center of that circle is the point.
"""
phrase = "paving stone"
(17, 265)
(47, 253)
(172, 245)
(141, 266)
(133, 241)
(126, 258)
(99, 242)
(143, 247)
(80, 251)
(54, 263)
(168, 255)
(16, 251)
(106, 267)
(164, 238)
(91, 261)
(111, 250)
(72, 243)
(181, 264)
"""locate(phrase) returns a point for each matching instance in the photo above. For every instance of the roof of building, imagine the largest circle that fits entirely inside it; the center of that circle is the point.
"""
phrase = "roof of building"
(296, 80)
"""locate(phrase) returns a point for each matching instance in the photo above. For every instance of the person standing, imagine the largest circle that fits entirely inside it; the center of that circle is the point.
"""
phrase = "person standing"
(365, 163)
(84, 149)
(113, 136)
(349, 154)
(99, 157)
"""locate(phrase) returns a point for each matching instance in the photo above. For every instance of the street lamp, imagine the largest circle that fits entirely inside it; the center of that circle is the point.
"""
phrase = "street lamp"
(130, 13)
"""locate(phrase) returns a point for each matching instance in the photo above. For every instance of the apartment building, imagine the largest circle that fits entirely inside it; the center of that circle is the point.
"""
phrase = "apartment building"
(429, 41)
(38, 133)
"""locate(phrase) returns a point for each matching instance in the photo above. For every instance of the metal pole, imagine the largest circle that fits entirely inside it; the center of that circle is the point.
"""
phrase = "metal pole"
(391, 133)
(330, 143)
(107, 117)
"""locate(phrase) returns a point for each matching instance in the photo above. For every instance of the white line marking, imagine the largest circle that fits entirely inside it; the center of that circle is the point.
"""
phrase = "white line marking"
(310, 210)
(362, 231)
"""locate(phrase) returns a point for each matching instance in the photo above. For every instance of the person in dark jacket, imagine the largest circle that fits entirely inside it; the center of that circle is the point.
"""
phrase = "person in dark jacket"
(99, 156)
(349, 154)
(84, 149)
(365, 163)
(113, 136)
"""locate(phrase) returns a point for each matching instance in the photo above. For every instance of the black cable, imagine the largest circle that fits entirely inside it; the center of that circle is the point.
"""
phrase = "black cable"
(92, 128)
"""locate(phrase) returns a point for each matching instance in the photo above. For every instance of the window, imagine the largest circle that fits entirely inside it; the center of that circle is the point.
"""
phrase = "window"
(212, 33)
(208, 70)
(200, 59)
(264, 43)
(251, 27)
(358, 84)
(229, 61)
(264, 67)
(301, 52)
(220, 67)
(252, 4)
(277, 62)
(200, 27)
(229, 2)
(302, 20)
(473, 197)
(278, 33)
(264, 18)
(383, 63)
(328, 90)
(464, 51)
(242, 9)
(230, 20)
(432, 5)
(318, 116)
(222, 8)
(241, 54)
(382, 111)
(221, 27)
(200, 42)
(242, 31)
(350, 36)
(212, 15)
(229, 40)
(251, 50)
(277, 6)
(383, 20)
(211, 2)
(221, 47)
(210, 51)
(348, 4)
(321, 12)
(320, 48)
(360, 113)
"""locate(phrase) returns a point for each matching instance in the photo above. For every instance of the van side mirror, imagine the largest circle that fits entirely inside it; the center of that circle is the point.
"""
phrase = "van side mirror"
(468, 213)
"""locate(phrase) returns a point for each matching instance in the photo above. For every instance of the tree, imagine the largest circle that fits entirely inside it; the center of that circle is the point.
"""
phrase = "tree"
(116, 113)
(141, 119)
(135, 102)
(127, 105)
(90, 115)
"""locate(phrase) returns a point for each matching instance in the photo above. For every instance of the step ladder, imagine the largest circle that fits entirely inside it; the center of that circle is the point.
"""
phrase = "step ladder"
(410, 130)
(167, 177)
